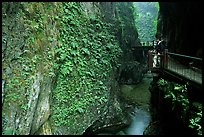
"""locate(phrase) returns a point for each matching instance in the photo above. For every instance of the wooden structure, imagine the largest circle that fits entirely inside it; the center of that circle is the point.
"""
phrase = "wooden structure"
(168, 64)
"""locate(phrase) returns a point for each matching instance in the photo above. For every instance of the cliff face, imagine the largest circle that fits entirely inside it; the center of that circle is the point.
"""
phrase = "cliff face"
(59, 64)
(180, 24)
(26, 66)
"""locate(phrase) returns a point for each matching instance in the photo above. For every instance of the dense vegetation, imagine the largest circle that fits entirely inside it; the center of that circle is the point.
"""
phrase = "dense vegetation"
(187, 111)
(68, 59)
(83, 64)
(27, 55)
(127, 32)
(146, 20)
(61, 46)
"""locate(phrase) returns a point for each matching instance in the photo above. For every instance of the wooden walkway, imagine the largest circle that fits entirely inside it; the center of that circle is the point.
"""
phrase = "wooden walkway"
(167, 63)
(183, 71)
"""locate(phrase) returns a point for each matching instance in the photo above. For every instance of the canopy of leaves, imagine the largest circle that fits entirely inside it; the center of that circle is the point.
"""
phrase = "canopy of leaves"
(146, 20)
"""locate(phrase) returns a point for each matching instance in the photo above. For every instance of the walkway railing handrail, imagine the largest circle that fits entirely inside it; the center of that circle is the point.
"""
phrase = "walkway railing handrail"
(181, 55)
(166, 63)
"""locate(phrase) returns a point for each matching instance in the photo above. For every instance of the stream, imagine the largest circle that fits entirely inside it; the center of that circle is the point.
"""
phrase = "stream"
(139, 95)
(145, 118)
(140, 120)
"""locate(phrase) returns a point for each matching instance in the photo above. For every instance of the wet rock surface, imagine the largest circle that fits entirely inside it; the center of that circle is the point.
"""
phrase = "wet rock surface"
(131, 72)
(136, 104)
(114, 118)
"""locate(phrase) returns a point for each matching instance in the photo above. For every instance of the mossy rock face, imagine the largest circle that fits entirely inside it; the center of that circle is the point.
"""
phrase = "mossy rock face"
(45, 129)
(58, 64)
(154, 128)
(27, 60)
(113, 120)
(131, 72)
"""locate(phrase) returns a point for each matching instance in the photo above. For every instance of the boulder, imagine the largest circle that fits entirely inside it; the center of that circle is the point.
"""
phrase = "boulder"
(131, 72)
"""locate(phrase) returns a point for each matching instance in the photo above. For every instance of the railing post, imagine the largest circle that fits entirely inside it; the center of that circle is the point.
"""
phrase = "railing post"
(165, 58)
(150, 63)
(161, 61)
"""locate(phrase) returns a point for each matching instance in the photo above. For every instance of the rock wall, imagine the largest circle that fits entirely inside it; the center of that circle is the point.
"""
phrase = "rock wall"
(121, 16)
(26, 66)
(52, 55)
(180, 24)
(131, 72)
(115, 114)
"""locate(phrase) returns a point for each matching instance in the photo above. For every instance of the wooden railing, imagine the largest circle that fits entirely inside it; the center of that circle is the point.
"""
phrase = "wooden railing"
(169, 61)
(149, 43)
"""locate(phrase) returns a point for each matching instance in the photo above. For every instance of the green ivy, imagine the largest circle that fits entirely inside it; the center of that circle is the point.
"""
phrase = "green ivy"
(84, 60)
(195, 120)
(33, 26)
(175, 92)
(178, 94)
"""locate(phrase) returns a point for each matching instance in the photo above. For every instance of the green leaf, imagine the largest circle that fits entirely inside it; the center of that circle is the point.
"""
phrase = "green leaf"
(86, 51)
(66, 10)
(80, 110)
(63, 56)
(75, 53)
(74, 45)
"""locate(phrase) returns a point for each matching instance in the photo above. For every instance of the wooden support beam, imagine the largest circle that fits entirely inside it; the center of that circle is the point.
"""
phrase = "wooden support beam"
(150, 59)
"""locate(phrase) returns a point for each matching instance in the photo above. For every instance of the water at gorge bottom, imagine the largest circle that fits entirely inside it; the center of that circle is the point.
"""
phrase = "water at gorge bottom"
(140, 120)
(145, 118)
(139, 95)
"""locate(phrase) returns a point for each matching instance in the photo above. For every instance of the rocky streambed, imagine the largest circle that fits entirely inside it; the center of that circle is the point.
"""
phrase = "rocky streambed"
(136, 98)
(139, 97)
(142, 117)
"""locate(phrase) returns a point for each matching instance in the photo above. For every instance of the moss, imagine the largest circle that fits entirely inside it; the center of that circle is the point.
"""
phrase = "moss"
(81, 56)
(26, 51)
(126, 29)
(77, 52)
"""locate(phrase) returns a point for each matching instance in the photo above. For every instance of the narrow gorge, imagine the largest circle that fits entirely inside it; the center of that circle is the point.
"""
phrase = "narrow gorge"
(76, 68)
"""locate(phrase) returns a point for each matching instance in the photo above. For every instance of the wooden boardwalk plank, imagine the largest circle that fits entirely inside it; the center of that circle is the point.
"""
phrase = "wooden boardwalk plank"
(184, 71)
